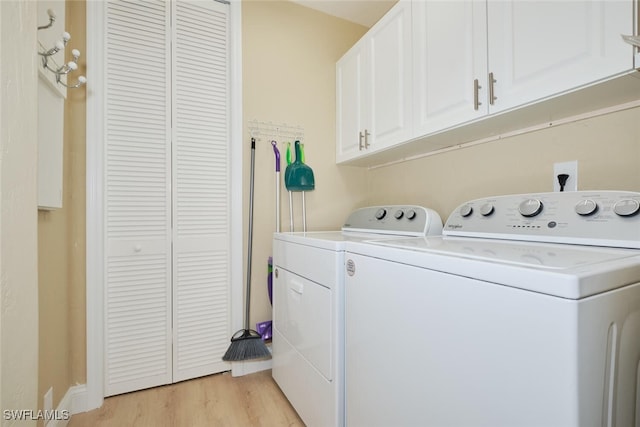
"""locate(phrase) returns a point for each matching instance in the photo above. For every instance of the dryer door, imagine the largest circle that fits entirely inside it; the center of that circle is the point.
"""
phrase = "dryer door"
(302, 315)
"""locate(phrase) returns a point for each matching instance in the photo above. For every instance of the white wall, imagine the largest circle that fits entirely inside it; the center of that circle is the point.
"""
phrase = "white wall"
(18, 208)
(289, 56)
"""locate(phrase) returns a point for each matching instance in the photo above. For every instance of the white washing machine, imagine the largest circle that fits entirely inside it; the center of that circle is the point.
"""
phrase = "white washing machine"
(308, 306)
(526, 312)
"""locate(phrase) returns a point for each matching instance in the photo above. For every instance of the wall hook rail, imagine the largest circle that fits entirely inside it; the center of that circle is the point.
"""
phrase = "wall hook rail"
(280, 132)
(58, 46)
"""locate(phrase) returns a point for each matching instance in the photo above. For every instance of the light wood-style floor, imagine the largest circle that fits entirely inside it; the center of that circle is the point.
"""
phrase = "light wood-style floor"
(216, 400)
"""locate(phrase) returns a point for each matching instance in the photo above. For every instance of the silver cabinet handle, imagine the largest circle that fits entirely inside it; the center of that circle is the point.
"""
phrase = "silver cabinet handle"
(492, 97)
(360, 139)
(366, 138)
(476, 89)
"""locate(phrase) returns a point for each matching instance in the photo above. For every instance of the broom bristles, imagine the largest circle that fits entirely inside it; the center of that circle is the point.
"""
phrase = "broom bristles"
(246, 347)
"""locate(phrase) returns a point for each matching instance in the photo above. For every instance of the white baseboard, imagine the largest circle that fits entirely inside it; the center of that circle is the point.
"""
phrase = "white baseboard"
(247, 367)
(78, 395)
(74, 401)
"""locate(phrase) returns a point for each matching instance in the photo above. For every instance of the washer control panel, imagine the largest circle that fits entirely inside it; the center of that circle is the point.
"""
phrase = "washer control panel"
(599, 218)
(405, 220)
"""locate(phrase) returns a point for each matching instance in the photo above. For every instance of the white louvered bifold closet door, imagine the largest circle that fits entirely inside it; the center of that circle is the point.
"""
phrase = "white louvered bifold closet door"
(201, 246)
(166, 205)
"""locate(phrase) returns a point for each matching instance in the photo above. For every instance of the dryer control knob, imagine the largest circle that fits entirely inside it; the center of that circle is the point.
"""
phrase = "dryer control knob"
(399, 214)
(530, 208)
(627, 207)
(381, 213)
(465, 211)
(411, 214)
(586, 207)
(486, 209)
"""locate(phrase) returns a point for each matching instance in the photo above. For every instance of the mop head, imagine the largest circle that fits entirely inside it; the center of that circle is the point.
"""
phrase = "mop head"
(246, 344)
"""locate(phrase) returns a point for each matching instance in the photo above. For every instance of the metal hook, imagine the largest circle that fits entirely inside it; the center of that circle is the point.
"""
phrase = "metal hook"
(52, 19)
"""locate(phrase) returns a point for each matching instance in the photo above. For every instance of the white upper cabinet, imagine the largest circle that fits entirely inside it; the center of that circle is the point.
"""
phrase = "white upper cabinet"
(374, 87)
(390, 77)
(539, 49)
(449, 63)
(433, 74)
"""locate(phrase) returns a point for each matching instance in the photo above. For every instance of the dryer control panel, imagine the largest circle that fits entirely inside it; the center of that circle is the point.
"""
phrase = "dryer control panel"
(405, 220)
(598, 218)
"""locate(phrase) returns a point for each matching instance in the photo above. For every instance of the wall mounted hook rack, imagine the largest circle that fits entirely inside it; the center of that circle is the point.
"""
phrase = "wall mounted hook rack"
(58, 46)
(281, 132)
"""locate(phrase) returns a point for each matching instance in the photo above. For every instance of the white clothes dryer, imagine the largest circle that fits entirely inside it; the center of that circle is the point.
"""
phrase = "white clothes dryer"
(308, 305)
(525, 313)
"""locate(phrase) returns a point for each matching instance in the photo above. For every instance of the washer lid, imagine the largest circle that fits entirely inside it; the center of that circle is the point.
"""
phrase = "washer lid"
(526, 254)
(562, 270)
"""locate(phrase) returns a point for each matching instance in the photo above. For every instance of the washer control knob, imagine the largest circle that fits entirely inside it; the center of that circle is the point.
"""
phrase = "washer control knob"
(530, 208)
(486, 209)
(627, 207)
(411, 214)
(399, 214)
(381, 213)
(465, 211)
(586, 207)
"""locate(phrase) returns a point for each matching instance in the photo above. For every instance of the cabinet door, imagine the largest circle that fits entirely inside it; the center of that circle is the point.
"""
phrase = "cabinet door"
(389, 108)
(449, 51)
(543, 48)
(351, 91)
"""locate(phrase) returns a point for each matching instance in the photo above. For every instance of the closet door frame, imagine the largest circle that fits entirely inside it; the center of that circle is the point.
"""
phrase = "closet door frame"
(95, 321)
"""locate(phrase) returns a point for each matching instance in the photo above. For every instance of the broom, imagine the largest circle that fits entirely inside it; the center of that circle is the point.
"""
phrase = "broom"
(246, 343)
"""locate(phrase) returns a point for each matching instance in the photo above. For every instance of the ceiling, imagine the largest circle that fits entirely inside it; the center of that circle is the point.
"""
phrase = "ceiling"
(363, 12)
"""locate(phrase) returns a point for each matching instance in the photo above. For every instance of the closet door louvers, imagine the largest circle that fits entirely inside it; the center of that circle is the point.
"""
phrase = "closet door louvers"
(201, 261)
(137, 201)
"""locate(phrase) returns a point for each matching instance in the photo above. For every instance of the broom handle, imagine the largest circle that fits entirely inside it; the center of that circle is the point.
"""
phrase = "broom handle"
(290, 208)
(277, 202)
(274, 144)
(304, 214)
(250, 244)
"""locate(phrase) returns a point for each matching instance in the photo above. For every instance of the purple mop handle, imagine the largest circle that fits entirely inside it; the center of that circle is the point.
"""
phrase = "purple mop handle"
(277, 153)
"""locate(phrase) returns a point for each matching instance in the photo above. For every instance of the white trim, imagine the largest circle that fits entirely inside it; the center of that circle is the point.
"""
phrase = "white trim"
(93, 396)
(94, 220)
(77, 394)
(74, 402)
(246, 367)
(237, 278)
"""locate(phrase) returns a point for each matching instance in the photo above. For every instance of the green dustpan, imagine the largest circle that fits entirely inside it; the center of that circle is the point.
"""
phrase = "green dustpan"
(297, 175)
